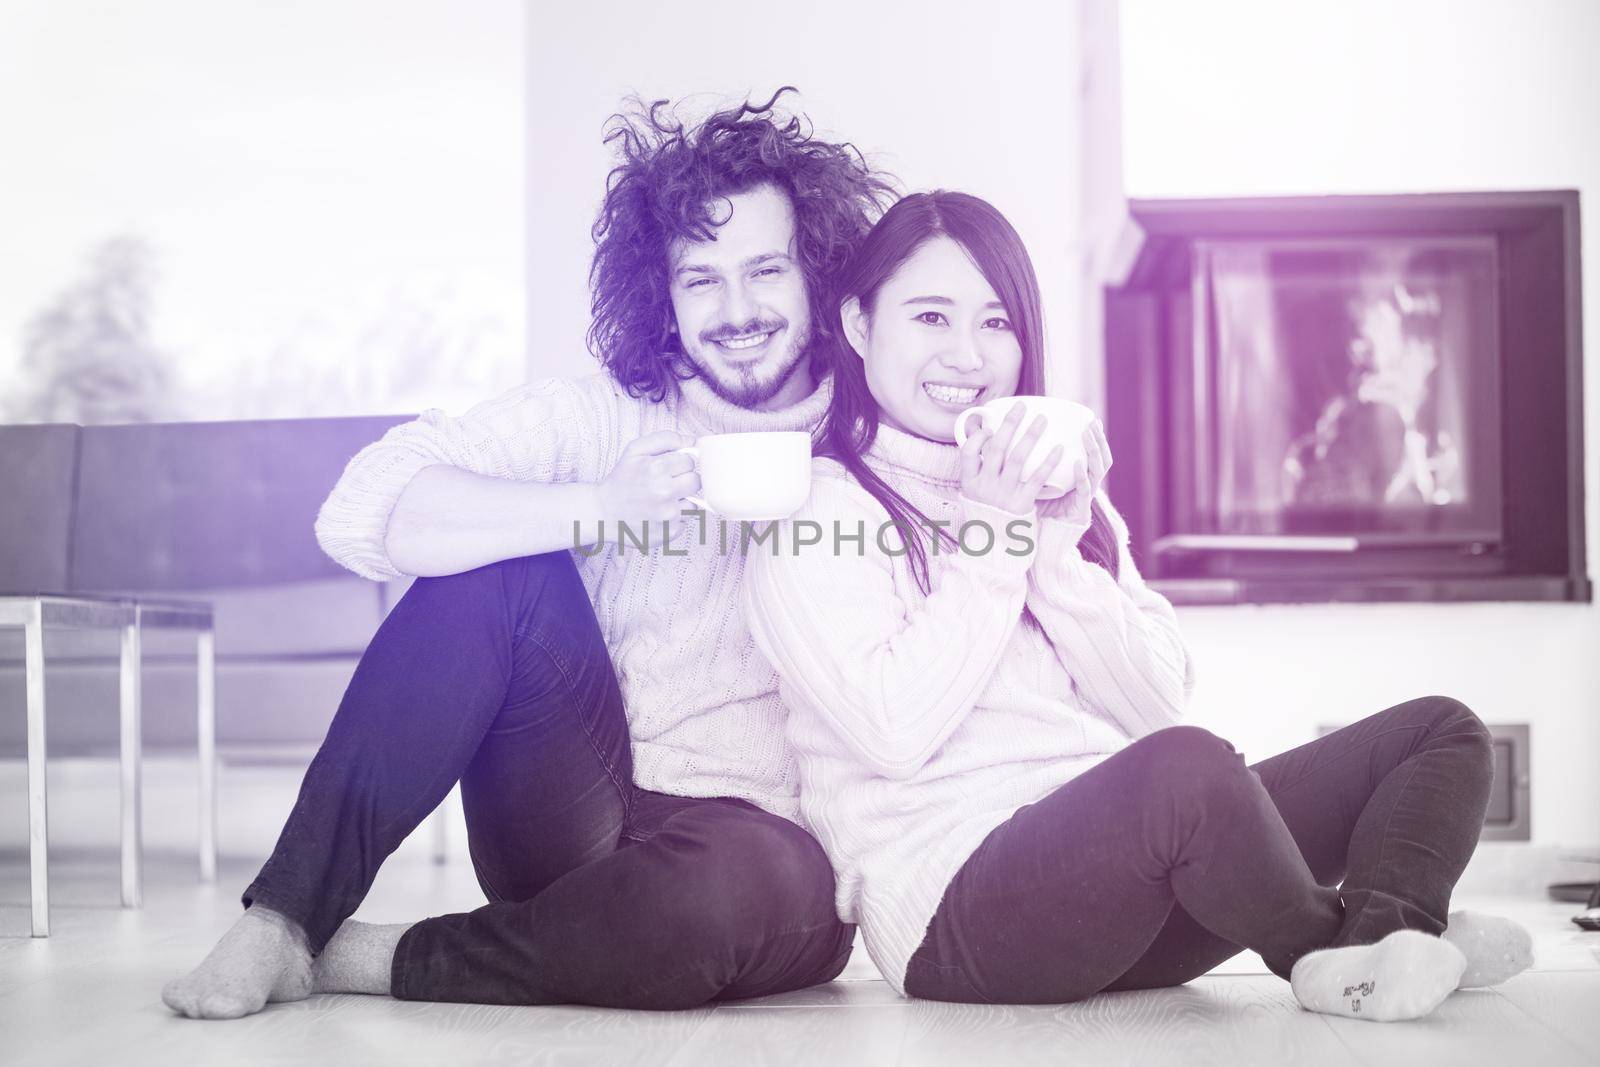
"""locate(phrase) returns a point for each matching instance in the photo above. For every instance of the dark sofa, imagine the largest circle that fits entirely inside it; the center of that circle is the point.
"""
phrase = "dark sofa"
(219, 511)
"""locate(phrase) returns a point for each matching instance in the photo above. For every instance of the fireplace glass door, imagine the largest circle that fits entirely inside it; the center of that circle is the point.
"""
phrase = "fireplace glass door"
(1346, 389)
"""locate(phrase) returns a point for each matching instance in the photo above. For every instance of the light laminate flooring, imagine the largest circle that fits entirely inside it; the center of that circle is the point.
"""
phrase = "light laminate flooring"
(90, 994)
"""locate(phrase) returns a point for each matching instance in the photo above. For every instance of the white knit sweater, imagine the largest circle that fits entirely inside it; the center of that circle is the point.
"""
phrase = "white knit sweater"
(702, 704)
(922, 722)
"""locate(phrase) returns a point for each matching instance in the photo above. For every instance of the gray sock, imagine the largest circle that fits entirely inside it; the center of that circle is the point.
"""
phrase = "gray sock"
(261, 959)
(358, 958)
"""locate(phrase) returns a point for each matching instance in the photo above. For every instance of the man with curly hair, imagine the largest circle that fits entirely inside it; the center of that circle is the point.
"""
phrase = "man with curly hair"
(629, 794)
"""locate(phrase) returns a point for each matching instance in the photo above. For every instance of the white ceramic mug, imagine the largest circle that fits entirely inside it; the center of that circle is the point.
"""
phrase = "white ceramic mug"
(1065, 422)
(764, 474)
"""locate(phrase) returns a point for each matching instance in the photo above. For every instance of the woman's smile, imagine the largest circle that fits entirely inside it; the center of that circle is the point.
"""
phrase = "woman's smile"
(952, 397)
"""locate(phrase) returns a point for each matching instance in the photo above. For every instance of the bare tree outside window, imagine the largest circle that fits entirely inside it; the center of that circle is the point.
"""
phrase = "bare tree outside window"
(88, 356)
(393, 344)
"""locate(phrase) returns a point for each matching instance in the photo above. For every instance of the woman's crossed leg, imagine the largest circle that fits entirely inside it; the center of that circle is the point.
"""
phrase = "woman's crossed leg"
(1168, 857)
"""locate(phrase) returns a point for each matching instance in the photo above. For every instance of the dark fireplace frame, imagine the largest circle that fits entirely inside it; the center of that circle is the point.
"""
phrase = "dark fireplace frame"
(1149, 345)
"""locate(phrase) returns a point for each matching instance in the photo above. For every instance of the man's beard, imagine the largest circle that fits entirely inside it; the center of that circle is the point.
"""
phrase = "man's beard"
(743, 385)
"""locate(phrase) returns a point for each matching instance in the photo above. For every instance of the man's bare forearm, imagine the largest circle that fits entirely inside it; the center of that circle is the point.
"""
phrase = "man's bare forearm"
(450, 520)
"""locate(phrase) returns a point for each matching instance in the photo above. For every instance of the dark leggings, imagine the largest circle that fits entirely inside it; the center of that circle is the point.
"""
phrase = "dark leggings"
(600, 892)
(1172, 855)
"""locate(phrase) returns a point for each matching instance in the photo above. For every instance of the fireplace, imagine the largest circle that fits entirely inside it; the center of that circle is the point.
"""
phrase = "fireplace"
(1351, 398)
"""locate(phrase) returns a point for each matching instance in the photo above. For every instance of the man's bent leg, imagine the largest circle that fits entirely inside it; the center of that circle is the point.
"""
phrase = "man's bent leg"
(551, 785)
(470, 676)
(719, 901)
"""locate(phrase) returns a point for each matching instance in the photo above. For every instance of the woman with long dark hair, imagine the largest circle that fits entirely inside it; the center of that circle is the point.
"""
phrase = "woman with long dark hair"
(984, 699)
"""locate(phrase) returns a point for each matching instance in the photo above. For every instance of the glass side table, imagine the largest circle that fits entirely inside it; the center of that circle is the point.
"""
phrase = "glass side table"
(34, 613)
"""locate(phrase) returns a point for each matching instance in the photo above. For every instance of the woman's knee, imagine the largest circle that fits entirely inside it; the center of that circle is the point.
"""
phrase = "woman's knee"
(1191, 764)
(1192, 749)
(1457, 725)
(1452, 713)
(1448, 719)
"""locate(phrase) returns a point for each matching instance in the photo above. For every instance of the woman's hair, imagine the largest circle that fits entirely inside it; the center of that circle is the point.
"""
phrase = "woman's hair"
(852, 421)
(666, 187)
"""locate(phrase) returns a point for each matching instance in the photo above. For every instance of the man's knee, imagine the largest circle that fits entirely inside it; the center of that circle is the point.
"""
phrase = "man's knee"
(544, 565)
(541, 596)
(549, 578)
(555, 569)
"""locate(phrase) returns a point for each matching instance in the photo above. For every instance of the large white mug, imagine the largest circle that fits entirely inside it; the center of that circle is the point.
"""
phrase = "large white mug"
(765, 474)
(1065, 423)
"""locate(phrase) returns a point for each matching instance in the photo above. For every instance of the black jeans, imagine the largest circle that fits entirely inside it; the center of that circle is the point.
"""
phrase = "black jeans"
(601, 893)
(1171, 856)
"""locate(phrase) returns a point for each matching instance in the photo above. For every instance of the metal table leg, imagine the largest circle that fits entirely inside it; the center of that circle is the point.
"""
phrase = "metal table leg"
(38, 818)
(207, 732)
(132, 752)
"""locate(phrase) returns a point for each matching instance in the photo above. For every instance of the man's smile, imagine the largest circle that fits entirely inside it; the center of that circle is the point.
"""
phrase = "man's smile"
(746, 343)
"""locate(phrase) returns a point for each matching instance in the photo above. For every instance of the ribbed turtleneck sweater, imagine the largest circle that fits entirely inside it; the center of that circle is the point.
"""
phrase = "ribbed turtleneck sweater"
(702, 704)
(923, 721)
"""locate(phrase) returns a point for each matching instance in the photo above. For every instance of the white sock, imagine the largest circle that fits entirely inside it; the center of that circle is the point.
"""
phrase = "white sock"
(1496, 948)
(1404, 976)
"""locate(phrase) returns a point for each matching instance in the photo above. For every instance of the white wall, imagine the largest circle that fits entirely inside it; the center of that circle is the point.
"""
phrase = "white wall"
(321, 181)
(1259, 97)
(941, 93)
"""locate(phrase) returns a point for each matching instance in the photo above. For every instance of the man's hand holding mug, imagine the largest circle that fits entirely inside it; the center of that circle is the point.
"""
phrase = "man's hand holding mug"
(652, 482)
(752, 476)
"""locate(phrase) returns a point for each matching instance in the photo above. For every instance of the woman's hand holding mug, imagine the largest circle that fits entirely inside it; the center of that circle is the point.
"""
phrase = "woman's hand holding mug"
(992, 468)
(1088, 475)
(1077, 463)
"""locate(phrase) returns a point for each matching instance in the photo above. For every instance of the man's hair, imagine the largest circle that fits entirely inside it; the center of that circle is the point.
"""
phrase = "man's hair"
(665, 188)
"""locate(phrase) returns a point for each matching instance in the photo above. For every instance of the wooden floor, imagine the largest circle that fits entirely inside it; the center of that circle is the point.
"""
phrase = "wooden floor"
(89, 994)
